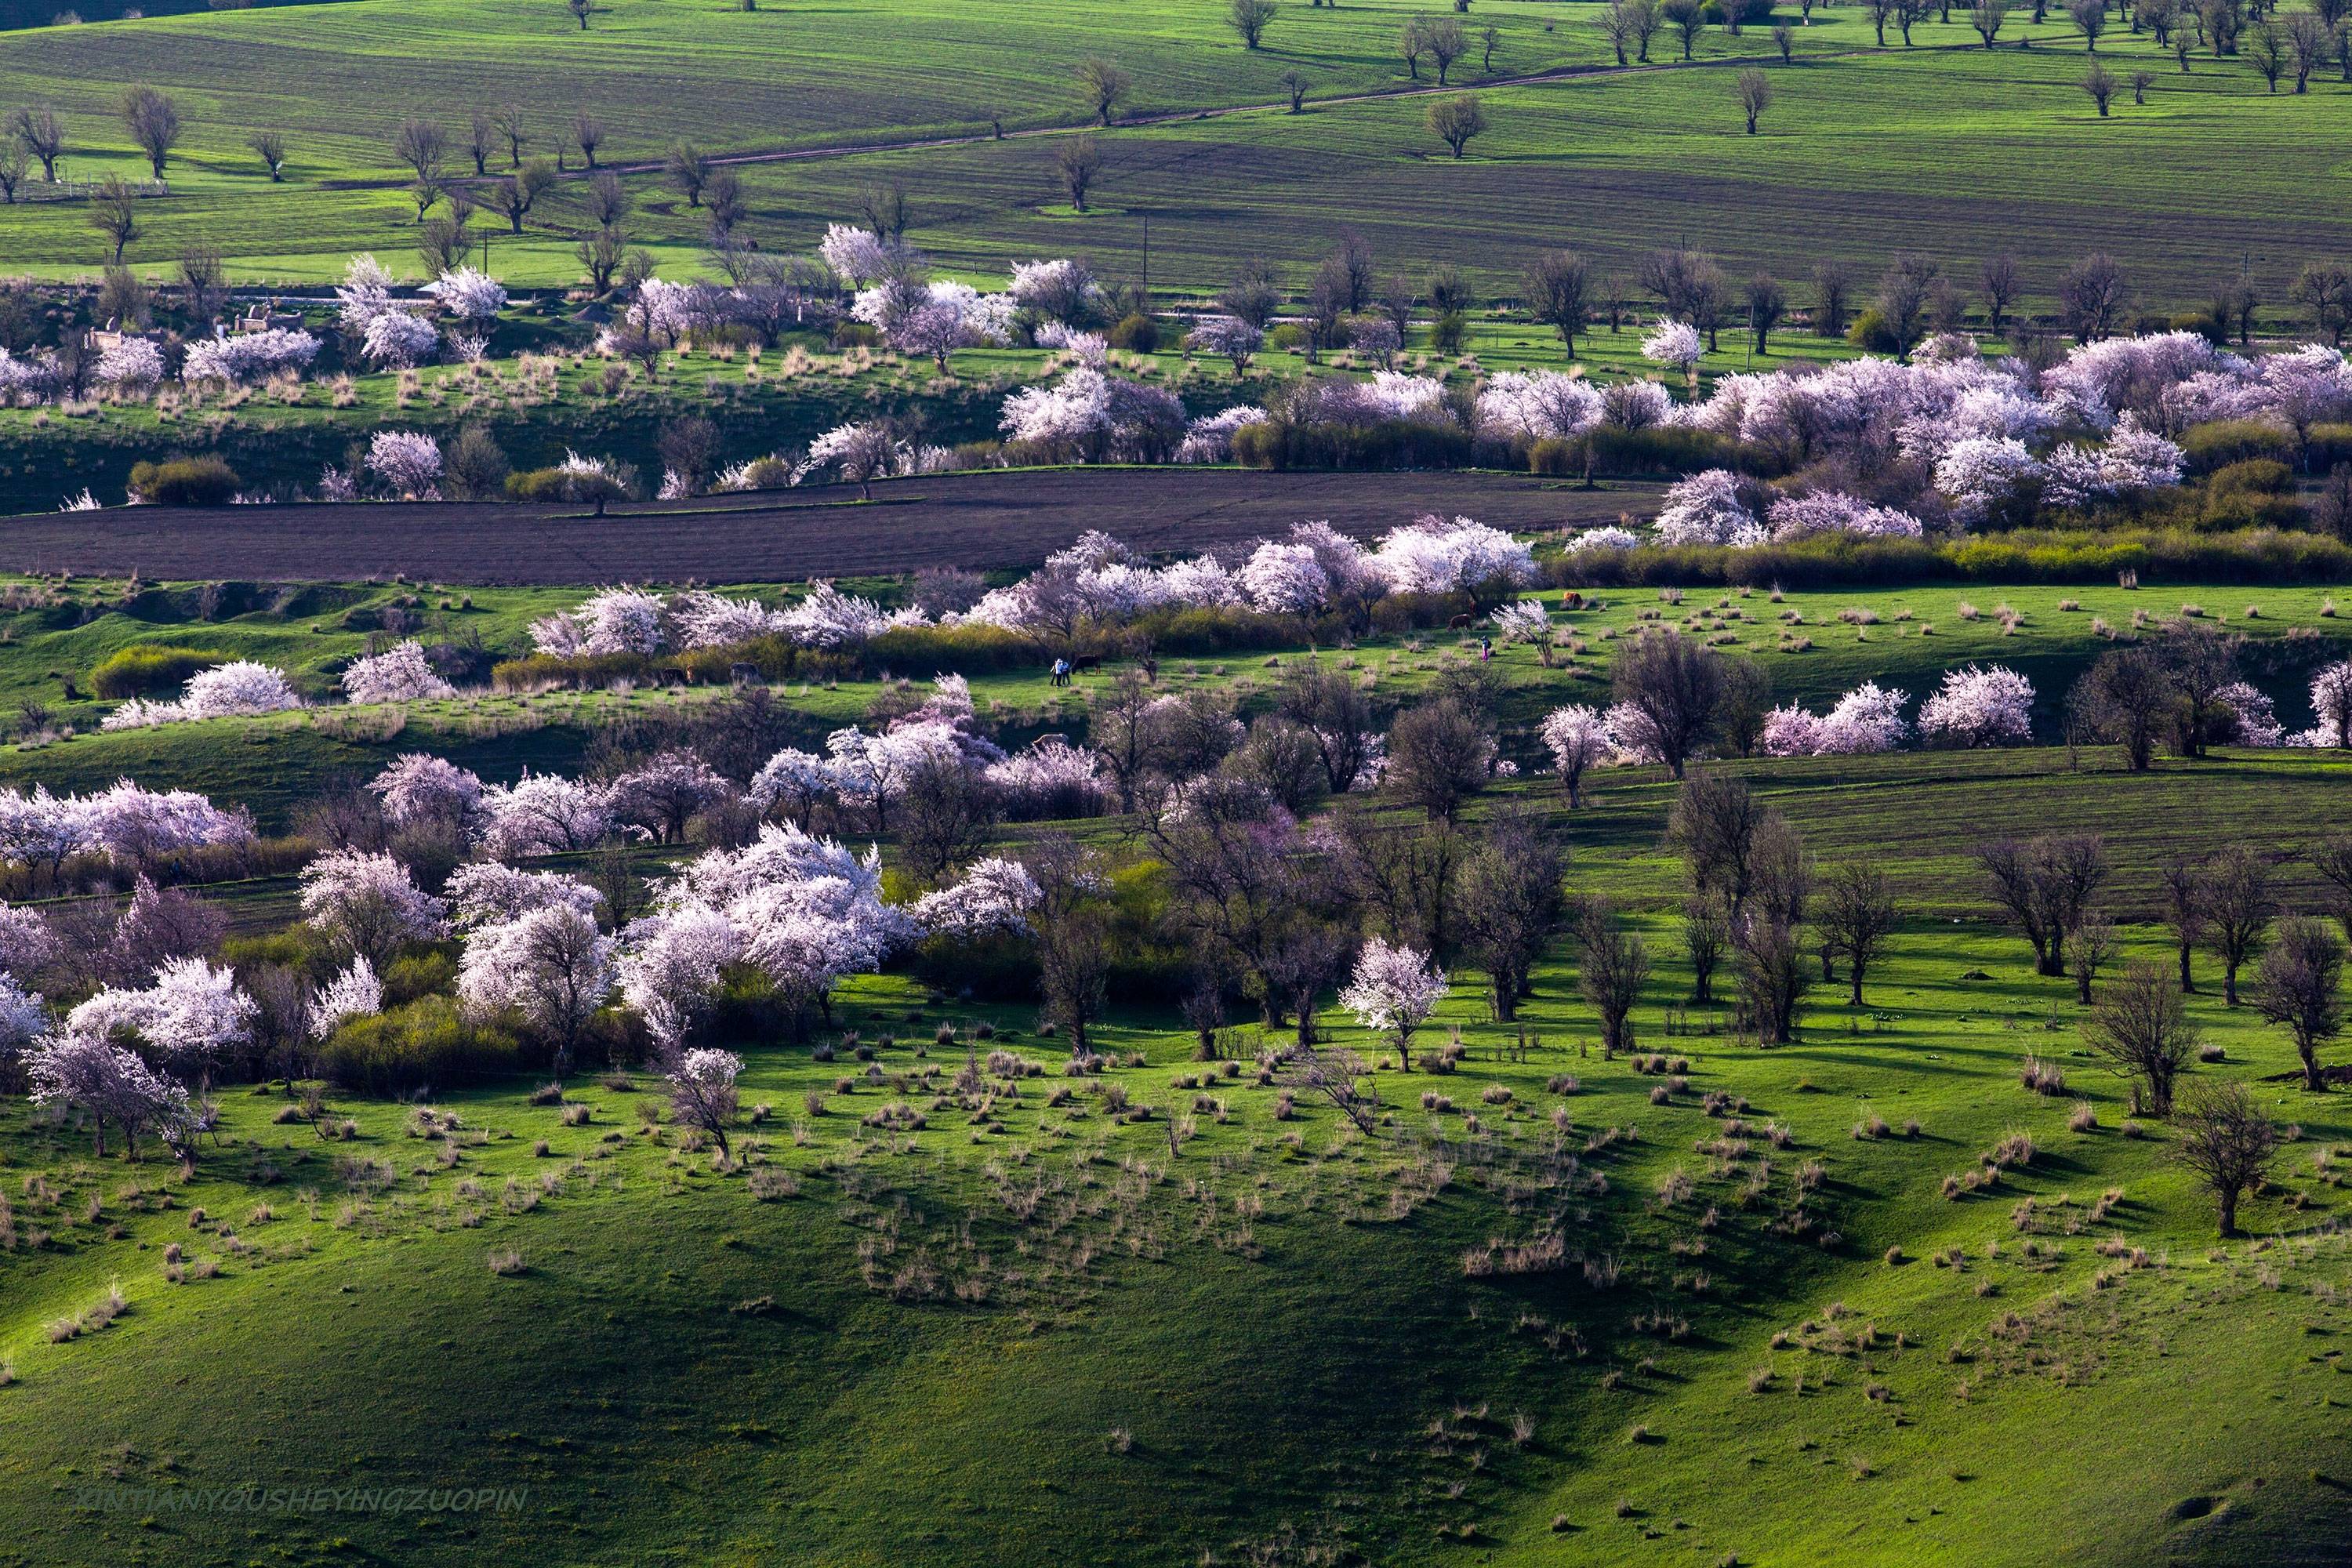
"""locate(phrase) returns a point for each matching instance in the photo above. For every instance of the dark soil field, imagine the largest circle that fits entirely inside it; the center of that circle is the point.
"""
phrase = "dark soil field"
(980, 521)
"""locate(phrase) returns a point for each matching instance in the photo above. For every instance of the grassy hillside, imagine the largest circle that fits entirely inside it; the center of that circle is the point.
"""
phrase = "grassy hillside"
(1995, 150)
(1816, 646)
(1024, 1328)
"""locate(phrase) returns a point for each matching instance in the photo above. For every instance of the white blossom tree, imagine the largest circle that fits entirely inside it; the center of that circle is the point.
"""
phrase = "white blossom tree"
(367, 905)
(399, 674)
(702, 1092)
(1393, 991)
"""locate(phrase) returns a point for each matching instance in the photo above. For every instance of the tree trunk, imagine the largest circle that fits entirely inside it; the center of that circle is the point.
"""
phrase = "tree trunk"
(2230, 1213)
(2313, 1079)
(2229, 983)
(2188, 982)
(1857, 985)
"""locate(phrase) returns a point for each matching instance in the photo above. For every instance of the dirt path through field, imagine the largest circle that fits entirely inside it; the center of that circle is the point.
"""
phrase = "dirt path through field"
(981, 521)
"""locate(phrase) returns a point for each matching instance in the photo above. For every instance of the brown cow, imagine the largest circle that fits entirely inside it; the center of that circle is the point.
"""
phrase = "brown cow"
(1459, 622)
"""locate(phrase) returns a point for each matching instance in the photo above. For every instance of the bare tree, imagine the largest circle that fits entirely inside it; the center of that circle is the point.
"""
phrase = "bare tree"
(2091, 18)
(2100, 83)
(153, 122)
(421, 144)
(43, 136)
(201, 285)
(1714, 825)
(1455, 121)
(1768, 303)
(1832, 284)
(269, 146)
(1339, 1077)
(687, 172)
(2239, 908)
(482, 139)
(587, 134)
(2182, 884)
(1080, 161)
(2141, 1027)
(1856, 915)
(1412, 42)
(2127, 700)
(1988, 17)
(1768, 934)
(2046, 887)
(1104, 83)
(1336, 711)
(2266, 49)
(512, 131)
(1611, 969)
(1293, 82)
(1249, 19)
(1072, 927)
(1999, 283)
(14, 164)
(1673, 684)
(1559, 290)
(1755, 90)
(114, 213)
(2297, 985)
(1705, 937)
(1447, 42)
(2227, 1143)
(1512, 906)
(1688, 20)
(512, 197)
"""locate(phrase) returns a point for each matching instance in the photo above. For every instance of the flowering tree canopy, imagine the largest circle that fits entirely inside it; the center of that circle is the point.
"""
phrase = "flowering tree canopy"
(400, 674)
(1979, 707)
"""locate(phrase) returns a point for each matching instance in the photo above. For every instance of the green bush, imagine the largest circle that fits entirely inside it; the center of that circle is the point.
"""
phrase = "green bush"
(1390, 444)
(2178, 554)
(2325, 445)
(1137, 333)
(417, 975)
(854, 335)
(148, 669)
(1449, 333)
(1665, 451)
(1288, 335)
(1871, 335)
(207, 480)
(424, 1044)
(2221, 442)
(2251, 475)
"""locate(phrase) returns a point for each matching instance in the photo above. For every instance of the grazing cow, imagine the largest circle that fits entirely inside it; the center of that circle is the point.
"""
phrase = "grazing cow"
(1459, 624)
(741, 675)
(1571, 601)
(1087, 661)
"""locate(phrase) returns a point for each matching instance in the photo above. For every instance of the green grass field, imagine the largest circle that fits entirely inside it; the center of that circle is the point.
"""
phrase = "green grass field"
(1034, 1331)
(1995, 150)
(1026, 1328)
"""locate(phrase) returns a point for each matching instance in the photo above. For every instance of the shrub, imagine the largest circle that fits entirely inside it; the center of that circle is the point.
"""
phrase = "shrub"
(2250, 477)
(1137, 333)
(424, 1044)
(1390, 444)
(1871, 334)
(2218, 443)
(207, 480)
(1665, 451)
(148, 669)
